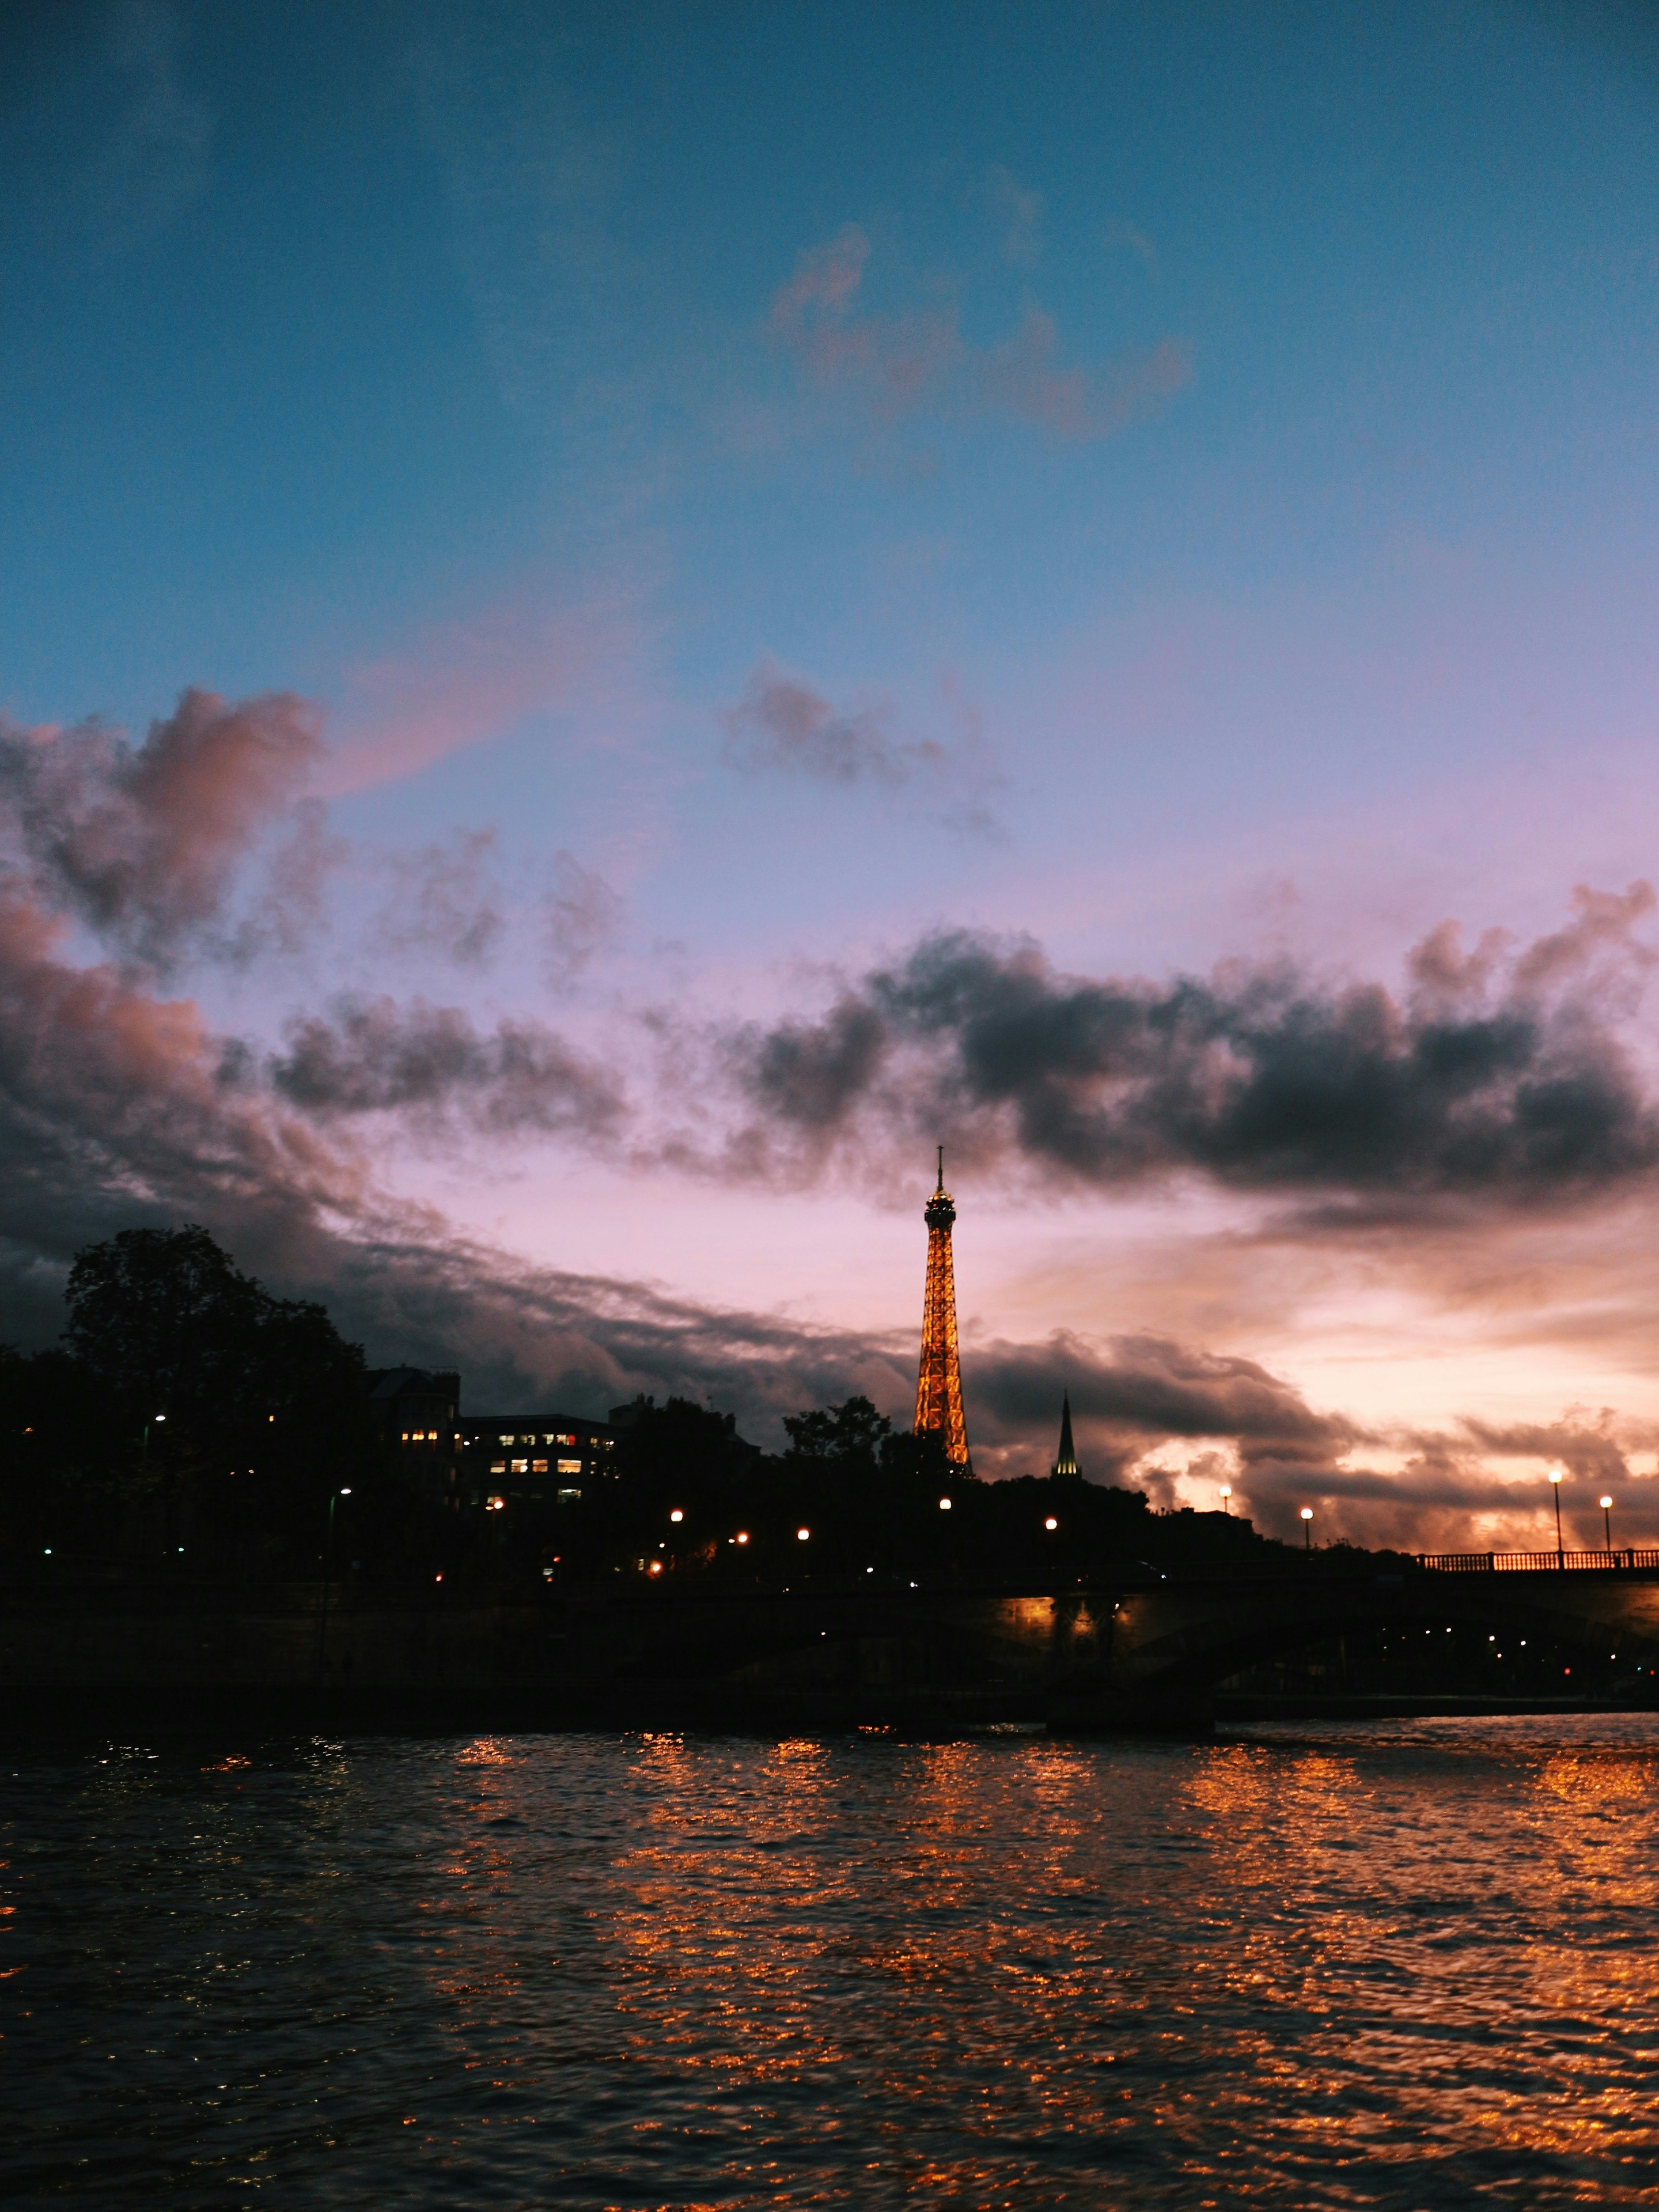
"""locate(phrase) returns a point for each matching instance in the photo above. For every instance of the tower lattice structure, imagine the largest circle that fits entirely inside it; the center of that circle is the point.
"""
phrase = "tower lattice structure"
(938, 1385)
(1065, 1468)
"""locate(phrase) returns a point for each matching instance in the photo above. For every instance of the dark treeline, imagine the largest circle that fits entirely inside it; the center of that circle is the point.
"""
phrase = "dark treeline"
(190, 1423)
(186, 1417)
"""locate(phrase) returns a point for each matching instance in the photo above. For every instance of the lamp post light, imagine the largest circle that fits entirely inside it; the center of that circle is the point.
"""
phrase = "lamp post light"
(335, 1496)
(1555, 1493)
(1307, 1527)
(1227, 1498)
(1606, 1519)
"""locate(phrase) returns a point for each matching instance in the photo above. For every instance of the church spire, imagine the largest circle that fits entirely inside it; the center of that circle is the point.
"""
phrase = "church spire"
(1065, 1467)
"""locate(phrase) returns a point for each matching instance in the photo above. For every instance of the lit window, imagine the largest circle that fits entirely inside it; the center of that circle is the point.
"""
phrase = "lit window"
(538, 1467)
(521, 1466)
(405, 1435)
(569, 1496)
(564, 1440)
(498, 1466)
(570, 1466)
(505, 1440)
(494, 1505)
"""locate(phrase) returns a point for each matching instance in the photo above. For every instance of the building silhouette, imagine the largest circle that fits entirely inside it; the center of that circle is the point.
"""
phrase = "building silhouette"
(938, 1385)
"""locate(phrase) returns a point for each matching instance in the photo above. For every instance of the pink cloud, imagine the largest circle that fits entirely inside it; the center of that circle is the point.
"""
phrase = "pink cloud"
(904, 364)
(465, 684)
(144, 842)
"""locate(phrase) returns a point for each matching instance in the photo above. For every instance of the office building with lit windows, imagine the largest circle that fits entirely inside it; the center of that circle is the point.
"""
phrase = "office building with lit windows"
(485, 1462)
(509, 1460)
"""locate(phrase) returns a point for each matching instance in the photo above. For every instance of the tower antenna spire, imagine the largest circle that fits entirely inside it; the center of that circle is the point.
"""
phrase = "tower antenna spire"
(939, 1385)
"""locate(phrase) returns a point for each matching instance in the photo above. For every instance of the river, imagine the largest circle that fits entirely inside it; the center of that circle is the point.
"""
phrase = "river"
(1403, 1964)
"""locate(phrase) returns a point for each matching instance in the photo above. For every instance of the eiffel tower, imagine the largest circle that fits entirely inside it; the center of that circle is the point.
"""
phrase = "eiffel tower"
(1065, 1468)
(939, 1387)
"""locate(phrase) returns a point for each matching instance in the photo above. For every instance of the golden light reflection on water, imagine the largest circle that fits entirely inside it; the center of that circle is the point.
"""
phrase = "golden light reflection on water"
(1334, 1969)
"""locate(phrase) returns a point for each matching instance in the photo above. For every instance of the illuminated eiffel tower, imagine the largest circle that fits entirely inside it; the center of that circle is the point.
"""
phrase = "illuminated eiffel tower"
(939, 1387)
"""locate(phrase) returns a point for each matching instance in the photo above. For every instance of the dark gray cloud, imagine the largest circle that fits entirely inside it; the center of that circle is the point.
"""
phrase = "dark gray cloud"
(782, 724)
(1140, 1390)
(444, 898)
(582, 916)
(1497, 1075)
(144, 843)
(375, 1056)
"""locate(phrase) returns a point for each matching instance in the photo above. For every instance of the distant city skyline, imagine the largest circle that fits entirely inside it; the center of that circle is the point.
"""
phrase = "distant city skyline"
(614, 622)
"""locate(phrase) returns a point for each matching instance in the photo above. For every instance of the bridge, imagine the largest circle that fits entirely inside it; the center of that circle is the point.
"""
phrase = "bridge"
(1134, 1650)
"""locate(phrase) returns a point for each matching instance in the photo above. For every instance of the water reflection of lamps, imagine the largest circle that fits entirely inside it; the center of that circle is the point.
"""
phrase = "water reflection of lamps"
(1227, 1498)
(1555, 1493)
(1307, 1527)
(1606, 1519)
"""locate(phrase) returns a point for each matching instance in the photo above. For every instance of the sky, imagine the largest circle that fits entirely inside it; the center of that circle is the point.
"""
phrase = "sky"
(613, 622)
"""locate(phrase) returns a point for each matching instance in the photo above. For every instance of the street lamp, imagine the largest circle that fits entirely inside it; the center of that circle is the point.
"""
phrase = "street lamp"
(1227, 1498)
(334, 1497)
(945, 1505)
(1606, 1519)
(1555, 1493)
(1307, 1527)
(1051, 1523)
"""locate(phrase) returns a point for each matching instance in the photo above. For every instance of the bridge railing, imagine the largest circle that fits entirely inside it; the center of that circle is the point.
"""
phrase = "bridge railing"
(1487, 1563)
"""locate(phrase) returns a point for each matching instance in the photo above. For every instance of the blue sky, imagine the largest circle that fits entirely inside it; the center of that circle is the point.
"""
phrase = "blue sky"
(741, 489)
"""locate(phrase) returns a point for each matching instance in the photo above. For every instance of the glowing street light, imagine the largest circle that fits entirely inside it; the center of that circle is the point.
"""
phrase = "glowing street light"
(1307, 1527)
(1606, 1519)
(1555, 1493)
(1051, 1523)
(677, 1515)
(1227, 1498)
(945, 1505)
(743, 1535)
(801, 1535)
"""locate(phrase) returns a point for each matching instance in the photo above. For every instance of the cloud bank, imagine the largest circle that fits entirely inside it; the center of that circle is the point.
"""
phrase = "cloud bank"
(1499, 1075)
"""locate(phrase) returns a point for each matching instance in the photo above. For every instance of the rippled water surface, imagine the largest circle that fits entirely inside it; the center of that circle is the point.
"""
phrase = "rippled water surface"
(1403, 1964)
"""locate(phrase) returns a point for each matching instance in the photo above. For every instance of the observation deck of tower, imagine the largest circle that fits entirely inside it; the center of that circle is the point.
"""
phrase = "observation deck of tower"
(938, 1385)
